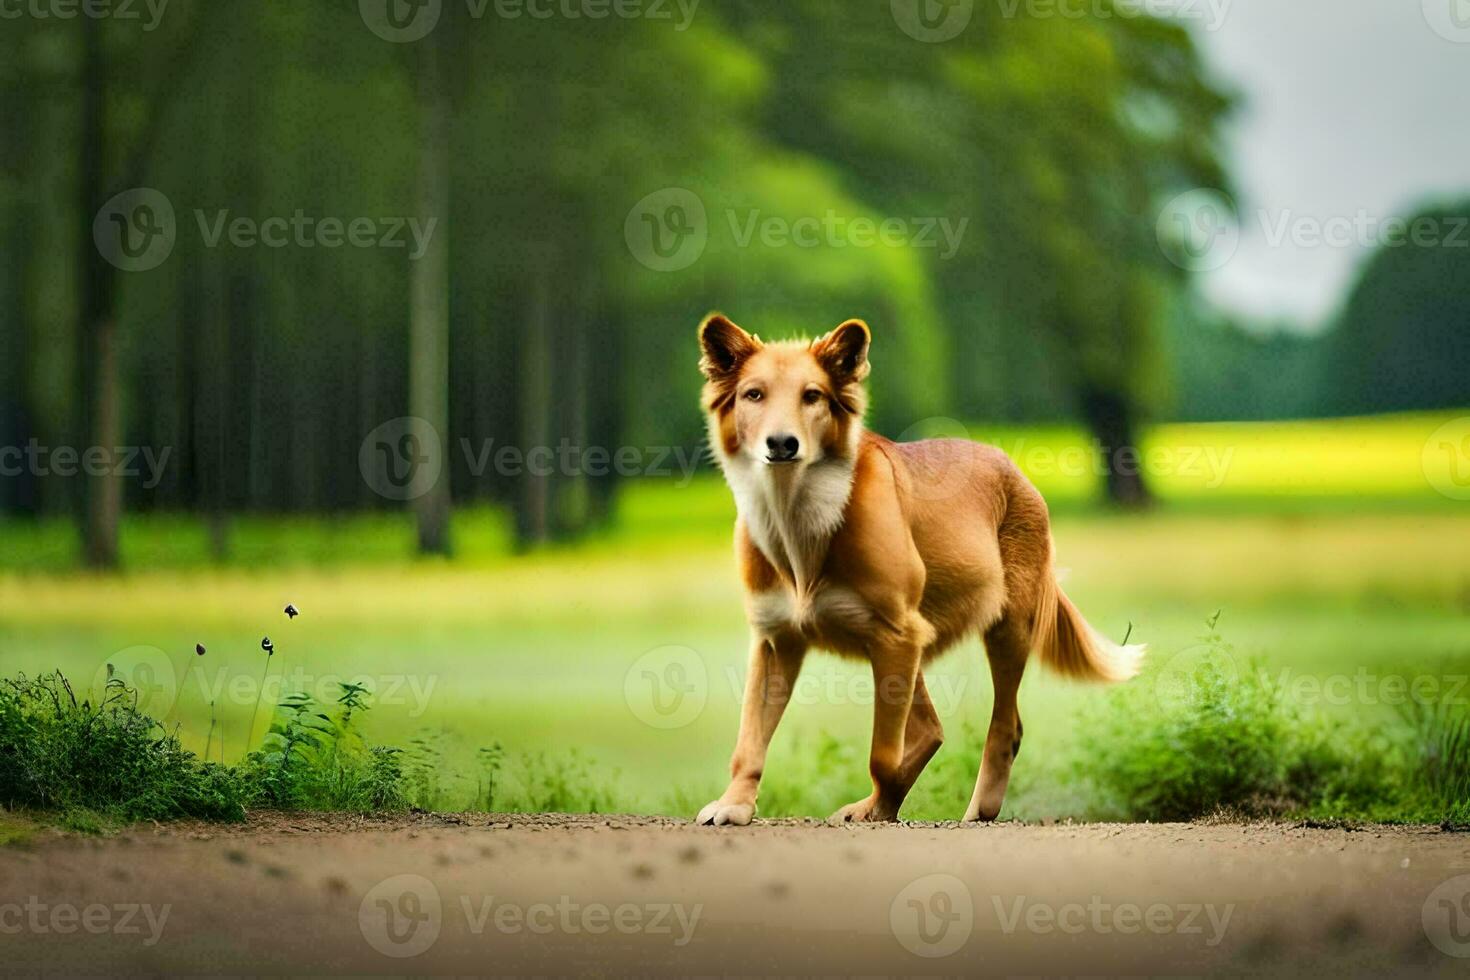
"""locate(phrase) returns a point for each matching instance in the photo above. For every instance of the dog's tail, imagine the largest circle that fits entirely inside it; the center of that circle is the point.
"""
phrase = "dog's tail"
(1071, 647)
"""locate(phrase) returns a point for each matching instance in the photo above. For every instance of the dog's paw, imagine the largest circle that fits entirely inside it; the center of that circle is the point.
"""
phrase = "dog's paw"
(863, 811)
(719, 814)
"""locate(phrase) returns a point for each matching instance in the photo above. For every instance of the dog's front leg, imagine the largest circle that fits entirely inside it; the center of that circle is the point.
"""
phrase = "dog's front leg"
(895, 674)
(769, 684)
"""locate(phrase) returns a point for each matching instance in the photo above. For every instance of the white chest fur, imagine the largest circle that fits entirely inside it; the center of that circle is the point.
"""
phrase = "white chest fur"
(792, 512)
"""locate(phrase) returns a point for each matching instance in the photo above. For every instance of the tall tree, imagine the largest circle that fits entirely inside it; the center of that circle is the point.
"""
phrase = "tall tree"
(1402, 341)
(1057, 139)
(97, 325)
(428, 350)
(18, 491)
(112, 158)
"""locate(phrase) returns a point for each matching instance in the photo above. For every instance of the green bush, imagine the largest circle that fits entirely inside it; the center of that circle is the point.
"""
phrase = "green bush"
(312, 760)
(1439, 741)
(1235, 746)
(108, 759)
(93, 766)
(1221, 751)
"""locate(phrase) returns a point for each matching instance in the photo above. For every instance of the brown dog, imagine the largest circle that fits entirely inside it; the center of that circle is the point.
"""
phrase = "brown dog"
(888, 551)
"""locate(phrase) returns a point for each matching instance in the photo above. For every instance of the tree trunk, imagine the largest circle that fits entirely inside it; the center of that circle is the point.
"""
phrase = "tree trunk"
(571, 510)
(104, 490)
(534, 499)
(19, 492)
(1109, 416)
(605, 419)
(428, 387)
(97, 327)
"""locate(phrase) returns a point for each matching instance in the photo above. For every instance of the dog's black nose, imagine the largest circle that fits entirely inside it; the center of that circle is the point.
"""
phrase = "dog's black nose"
(782, 448)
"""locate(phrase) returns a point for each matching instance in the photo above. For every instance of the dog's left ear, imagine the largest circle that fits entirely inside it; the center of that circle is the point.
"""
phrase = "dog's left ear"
(725, 347)
(844, 352)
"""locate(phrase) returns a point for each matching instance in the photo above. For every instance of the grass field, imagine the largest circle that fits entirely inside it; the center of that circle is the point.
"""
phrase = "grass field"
(1349, 592)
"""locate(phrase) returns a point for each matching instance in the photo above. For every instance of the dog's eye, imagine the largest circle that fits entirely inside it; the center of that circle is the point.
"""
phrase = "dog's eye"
(754, 395)
(811, 396)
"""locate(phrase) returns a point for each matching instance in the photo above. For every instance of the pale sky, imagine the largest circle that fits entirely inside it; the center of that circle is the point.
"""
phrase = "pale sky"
(1350, 107)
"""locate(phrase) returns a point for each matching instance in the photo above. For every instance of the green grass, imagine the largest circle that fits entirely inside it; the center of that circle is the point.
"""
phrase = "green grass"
(1439, 741)
(1233, 744)
(100, 760)
(91, 767)
(16, 830)
(314, 758)
(535, 655)
(543, 656)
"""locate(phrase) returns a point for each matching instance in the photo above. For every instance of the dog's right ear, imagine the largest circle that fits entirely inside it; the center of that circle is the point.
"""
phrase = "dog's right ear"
(724, 347)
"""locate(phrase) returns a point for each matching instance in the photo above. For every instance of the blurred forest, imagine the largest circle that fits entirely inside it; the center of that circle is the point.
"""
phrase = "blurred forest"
(527, 316)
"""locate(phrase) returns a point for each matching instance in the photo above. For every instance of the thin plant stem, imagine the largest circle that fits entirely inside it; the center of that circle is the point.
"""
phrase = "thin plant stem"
(194, 669)
(255, 709)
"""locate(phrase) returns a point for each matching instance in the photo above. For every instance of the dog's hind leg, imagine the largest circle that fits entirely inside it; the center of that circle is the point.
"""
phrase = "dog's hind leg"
(769, 685)
(922, 737)
(1007, 646)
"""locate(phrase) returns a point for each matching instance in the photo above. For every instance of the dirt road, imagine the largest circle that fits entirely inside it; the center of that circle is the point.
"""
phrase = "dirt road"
(591, 895)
